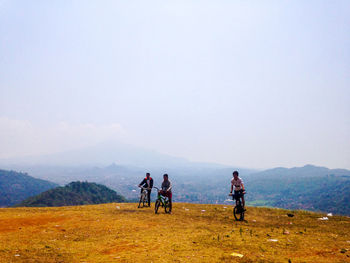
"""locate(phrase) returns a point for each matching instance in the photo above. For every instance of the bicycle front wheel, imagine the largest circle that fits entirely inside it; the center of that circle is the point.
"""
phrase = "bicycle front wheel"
(156, 206)
(144, 201)
(140, 201)
(167, 207)
(238, 213)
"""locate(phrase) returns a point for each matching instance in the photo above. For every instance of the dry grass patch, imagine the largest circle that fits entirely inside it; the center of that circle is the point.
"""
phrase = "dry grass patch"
(104, 233)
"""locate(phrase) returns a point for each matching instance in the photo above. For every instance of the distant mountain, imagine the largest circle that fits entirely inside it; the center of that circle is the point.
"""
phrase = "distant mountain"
(305, 171)
(309, 187)
(75, 193)
(202, 183)
(101, 155)
(15, 187)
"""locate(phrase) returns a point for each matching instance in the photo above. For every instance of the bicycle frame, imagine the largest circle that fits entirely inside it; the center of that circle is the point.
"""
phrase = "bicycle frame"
(143, 196)
(161, 200)
(237, 200)
(144, 190)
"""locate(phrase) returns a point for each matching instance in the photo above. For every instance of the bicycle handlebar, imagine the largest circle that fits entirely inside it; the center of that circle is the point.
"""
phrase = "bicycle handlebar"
(146, 188)
(243, 193)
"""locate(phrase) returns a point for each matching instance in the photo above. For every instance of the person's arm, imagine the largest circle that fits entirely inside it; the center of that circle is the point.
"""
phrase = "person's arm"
(170, 186)
(151, 183)
(231, 188)
(143, 182)
(242, 185)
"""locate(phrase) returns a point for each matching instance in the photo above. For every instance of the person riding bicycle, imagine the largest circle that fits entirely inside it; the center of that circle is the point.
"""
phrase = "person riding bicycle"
(239, 187)
(166, 190)
(147, 183)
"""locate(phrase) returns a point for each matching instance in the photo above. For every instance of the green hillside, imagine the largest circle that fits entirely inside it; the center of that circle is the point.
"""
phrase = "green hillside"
(74, 193)
(15, 187)
(308, 189)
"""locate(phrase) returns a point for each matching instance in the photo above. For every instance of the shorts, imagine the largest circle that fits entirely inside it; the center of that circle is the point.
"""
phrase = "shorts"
(168, 194)
(237, 195)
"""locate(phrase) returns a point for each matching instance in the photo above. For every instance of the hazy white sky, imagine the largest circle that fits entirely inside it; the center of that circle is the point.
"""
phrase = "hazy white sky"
(249, 83)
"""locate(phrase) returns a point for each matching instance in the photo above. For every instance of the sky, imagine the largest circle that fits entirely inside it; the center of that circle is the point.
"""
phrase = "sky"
(256, 84)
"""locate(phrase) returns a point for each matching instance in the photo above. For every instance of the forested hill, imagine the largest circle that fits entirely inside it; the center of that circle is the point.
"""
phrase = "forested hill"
(15, 187)
(74, 193)
(309, 188)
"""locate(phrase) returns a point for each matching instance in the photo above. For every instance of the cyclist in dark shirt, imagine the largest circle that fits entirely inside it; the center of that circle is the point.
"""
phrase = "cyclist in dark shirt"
(147, 182)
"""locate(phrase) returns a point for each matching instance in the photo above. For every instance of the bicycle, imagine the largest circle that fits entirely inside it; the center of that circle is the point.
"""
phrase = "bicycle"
(143, 197)
(161, 201)
(238, 210)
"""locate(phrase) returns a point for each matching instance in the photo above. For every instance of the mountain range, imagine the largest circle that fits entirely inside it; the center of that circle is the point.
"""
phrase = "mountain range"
(101, 154)
(122, 167)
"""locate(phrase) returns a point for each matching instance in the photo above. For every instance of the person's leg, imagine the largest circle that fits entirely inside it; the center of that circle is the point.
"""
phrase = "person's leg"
(236, 197)
(170, 196)
(243, 202)
(149, 197)
(170, 204)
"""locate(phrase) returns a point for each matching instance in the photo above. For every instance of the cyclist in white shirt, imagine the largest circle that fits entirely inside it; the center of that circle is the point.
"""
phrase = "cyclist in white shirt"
(238, 185)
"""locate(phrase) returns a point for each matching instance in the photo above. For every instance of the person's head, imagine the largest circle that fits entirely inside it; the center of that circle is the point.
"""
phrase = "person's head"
(235, 174)
(165, 177)
(148, 175)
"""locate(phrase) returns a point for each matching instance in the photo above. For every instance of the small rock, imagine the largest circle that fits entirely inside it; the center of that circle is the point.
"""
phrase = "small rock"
(290, 215)
(272, 240)
(329, 214)
(286, 232)
(234, 254)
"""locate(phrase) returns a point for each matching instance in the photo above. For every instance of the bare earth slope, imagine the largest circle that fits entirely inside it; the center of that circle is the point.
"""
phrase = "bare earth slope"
(123, 233)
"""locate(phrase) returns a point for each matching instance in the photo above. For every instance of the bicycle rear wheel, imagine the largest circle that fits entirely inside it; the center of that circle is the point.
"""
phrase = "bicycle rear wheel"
(238, 213)
(156, 206)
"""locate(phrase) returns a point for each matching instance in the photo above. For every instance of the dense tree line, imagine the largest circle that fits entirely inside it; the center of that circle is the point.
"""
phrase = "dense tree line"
(75, 193)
